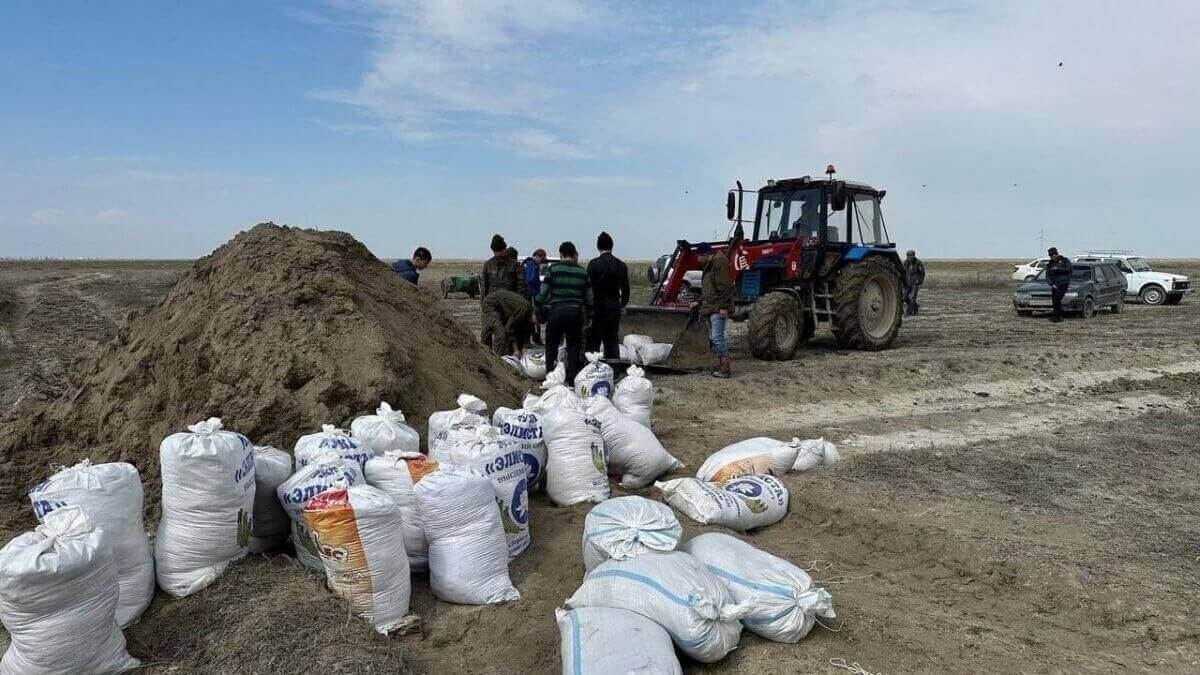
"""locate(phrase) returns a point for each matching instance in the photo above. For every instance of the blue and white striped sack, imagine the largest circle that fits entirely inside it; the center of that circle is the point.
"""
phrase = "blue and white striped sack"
(782, 602)
(626, 527)
(674, 590)
(603, 640)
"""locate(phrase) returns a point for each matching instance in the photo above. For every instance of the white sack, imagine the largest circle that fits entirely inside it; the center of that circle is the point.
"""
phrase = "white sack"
(781, 602)
(626, 527)
(111, 496)
(594, 379)
(396, 473)
(634, 396)
(748, 457)
(525, 427)
(634, 452)
(600, 640)
(330, 438)
(627, 353)
(556, 392)
(326, 469)
(674, 590)
(468, 556)
(635, 341)
(385, 431)
(467, 414)
(271, 523)
(533, 364)
(741, 503)
(58, 599)
(813, 453)
(207, 506)
(360, 536)
(653, 353)
(576, 469)
(499, 458)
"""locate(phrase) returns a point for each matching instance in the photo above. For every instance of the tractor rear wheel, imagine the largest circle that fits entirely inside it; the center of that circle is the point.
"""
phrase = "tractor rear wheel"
(868, 296)
(774, 331)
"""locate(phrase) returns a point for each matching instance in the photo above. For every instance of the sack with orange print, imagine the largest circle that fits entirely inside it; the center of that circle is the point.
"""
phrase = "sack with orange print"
(359, 535)
(750, 457)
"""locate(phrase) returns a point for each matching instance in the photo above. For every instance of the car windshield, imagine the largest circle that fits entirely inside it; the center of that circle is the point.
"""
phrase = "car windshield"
(1139, 265)
(1078, 273)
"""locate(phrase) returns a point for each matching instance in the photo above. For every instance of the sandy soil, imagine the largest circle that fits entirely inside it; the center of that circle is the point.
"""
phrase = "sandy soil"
(1014, 495)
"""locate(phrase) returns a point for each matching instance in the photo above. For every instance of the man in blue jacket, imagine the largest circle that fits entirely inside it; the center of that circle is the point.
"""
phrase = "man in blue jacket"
(410, 270)
(532, 271)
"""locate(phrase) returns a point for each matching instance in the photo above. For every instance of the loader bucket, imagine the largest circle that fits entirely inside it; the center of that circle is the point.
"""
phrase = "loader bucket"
(680, 326)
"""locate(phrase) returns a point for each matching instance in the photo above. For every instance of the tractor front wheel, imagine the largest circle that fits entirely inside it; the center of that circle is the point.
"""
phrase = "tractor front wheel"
(774, 331)
(868, 296)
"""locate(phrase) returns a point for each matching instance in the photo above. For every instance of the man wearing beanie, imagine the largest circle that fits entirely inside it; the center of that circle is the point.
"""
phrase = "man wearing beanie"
(609, 279)
(501, 271)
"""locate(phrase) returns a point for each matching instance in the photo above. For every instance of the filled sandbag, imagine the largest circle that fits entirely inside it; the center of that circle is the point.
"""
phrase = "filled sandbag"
(627, 353)
(634, 396)
(207, 506)
(653, 353)
(271, 523)
(467, 414)
(359, 533)
(525, 427)
(674, 590)
(555, 390)
(749, 457)
(330, 438)
(385, 431)
(576, 469)
(742, 503)
(326, 469)
(782, 603)
(635, 341)
(626, 527)
(468, 555)
(634, 452)
(396, 473)
(111, 496)
(595, 378)
(58, 599)
(533, 364)
(499, 458)
(607, 640)
(813, 453)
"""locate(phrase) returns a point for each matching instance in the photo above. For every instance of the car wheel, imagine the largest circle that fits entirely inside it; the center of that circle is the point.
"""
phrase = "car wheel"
(1153, 295)
(1089, 308)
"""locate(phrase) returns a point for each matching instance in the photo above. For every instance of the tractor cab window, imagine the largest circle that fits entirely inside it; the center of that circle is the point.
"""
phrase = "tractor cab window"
(867, 220)
(788, 215)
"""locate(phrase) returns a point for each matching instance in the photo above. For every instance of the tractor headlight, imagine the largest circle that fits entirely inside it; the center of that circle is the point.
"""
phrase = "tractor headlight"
(1070, 295)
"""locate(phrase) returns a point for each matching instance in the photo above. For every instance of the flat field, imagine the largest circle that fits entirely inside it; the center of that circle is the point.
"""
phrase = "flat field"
(1013, 495)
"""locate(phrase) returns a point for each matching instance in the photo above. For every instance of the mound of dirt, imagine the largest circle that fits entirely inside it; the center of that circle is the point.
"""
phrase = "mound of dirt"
(277, 332)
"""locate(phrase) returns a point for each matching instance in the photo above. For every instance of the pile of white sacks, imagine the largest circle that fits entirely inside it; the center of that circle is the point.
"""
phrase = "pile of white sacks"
(649, 593)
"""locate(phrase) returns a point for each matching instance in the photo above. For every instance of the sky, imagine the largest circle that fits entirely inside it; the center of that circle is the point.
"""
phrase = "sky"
(159, 130)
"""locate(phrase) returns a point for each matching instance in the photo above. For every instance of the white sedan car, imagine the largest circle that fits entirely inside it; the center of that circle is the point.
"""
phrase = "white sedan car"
(1029, 270)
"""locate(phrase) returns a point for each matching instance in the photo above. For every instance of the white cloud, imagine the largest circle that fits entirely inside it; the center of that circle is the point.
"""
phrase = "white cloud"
(544, 145)
(48, 216)
(113, 217)
(607, 181)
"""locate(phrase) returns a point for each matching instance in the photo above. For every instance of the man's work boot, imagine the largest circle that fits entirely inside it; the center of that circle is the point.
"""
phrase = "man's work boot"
(724, 371)
(716, 364)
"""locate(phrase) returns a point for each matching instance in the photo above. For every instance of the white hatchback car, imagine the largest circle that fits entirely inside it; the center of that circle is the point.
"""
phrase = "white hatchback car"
(1029, 270)
(1142, 282)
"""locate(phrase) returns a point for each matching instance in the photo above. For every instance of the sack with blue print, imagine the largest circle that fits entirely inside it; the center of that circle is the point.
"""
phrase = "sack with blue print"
(326, 468)
(330, 438)
(525, 427)
(626, 527)
(742, 503)
(782, 602)
(594, 379)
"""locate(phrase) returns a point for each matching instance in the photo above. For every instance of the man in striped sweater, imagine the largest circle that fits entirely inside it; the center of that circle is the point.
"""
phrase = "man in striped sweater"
(564, 294)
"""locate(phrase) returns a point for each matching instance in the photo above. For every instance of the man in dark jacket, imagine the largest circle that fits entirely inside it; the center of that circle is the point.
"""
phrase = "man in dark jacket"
(563, 297)
(1058, 275)
(609, 279)
(532, 270)
(410, 270)
(716, 303)
(501, 271)
(513, 318)
(914, 276)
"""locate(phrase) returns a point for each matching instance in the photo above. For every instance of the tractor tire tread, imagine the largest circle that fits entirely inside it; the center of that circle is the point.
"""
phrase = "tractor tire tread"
(848, 289)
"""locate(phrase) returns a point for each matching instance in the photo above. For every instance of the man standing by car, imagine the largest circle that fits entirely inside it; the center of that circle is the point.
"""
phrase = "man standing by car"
(609, 279)
(410, 270)
(914, 276)
(1058, 275)
(501, 271)
(716, 303)
(564, 294)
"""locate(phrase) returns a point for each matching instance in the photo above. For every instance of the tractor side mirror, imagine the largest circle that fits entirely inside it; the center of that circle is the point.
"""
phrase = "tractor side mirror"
(730, 206)
(837, 198)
